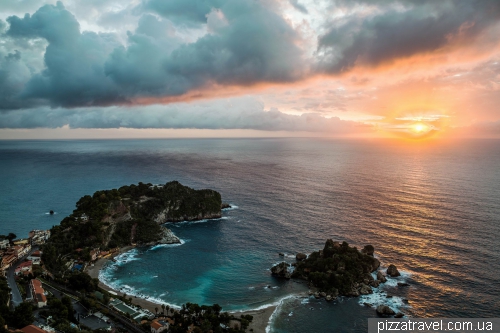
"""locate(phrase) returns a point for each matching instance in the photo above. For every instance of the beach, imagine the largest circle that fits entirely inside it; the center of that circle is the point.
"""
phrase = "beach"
(260, 317)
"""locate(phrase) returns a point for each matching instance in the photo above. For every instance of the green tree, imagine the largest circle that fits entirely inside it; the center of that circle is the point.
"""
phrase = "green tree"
(22, 316)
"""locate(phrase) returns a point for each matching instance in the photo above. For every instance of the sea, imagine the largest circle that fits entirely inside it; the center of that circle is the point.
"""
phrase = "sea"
(430, 208)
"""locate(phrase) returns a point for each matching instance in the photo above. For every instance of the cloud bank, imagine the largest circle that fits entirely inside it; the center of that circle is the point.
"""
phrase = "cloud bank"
(236, 113)
(90, 64)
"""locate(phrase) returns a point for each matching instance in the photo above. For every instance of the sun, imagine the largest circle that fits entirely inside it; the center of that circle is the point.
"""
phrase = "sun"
(419, 128)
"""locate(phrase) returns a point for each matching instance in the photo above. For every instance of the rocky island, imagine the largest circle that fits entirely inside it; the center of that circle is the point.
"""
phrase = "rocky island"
(130, 215)
(336, 270)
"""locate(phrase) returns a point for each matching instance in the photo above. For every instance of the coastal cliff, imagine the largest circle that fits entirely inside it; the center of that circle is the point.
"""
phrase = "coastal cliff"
(130, 215)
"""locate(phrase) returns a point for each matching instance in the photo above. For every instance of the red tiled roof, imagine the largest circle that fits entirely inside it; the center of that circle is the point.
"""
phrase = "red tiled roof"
(25, 264)
(37, 286)
(41, 298)
(155, 324)
(32, 329)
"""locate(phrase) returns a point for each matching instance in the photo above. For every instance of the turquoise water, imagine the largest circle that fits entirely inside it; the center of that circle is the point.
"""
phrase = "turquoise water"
(432, 210)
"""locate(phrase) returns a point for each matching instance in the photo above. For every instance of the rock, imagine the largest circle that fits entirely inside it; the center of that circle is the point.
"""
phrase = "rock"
(354, 292)
(388, 296)
(368, 249)
(300, 256)
(281, 270)
(381, 277)
(310, 292)
(399, 315)
(51, 212)
(225, 205)
(168, 237)
(268, 287)
(329, 298)
(368, 278)
(392, 271)
(322, 294)
(330, 248)
(405, 300)
(365, 289)
(375, 264)
(384, 310)
(368, 304)
(281, 254)
(375, 283)
(316, 295)
(403, 284)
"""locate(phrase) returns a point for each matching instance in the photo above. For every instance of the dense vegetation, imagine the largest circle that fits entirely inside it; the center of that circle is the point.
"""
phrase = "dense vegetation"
(336, 268)
(20, 317)
(206, 319)
(119, 217)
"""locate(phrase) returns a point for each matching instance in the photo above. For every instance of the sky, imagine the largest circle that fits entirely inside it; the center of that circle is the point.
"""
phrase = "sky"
(413, 69)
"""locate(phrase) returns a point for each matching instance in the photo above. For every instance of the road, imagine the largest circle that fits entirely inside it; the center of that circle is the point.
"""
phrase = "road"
(16, 295)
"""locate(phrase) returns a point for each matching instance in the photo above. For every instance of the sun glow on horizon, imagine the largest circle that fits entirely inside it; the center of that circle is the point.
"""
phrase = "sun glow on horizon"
(420, 128)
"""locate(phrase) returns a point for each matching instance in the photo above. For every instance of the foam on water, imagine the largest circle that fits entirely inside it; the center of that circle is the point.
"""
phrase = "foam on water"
(159, 246)
(181, 223)
(233, 207)
(379, 296)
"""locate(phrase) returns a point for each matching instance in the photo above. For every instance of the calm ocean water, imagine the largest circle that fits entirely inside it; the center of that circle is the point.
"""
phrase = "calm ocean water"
(433, 210)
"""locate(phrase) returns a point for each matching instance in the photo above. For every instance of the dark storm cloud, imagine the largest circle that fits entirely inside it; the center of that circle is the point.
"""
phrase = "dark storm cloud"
(250, 44)
(402, 29)
(74, 73)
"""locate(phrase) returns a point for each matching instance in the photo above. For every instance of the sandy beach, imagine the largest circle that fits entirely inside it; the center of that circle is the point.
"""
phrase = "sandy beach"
(260, 317)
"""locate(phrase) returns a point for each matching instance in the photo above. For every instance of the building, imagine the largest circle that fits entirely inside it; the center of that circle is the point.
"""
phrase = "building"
(38, 293)
(158, 326)
(18, 250)
(4, 243)
(7, 260)
(32, 329)
(93, 254)
(24, 267)
(38, 237)
(36, 257)
(22, 242)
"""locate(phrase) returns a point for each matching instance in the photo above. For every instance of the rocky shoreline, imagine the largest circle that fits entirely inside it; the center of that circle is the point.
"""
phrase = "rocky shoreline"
(340, 270)
(167, 237)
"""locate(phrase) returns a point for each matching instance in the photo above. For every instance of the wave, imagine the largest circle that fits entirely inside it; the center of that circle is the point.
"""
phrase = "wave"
(178, 224)
(279, 304)
(233, 207)
(132, 291)
(379, 296)
(159, 246)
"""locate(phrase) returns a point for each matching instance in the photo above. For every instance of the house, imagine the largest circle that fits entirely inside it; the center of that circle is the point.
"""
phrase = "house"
(38, 293)
(32, 329)
(4, 243)
(158, 326)
(24, 267)
(103, 254)
(36, 257)
(38, 237)
(93, 254)
(18, 250)
(22, 242)
(7, 260)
